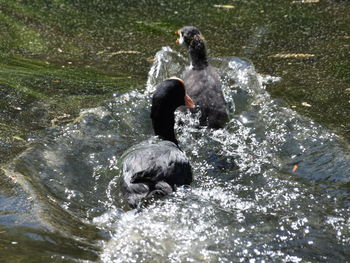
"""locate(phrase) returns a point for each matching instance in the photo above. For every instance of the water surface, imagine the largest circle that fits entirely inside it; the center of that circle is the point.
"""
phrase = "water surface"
(272, 186)
(246, 203)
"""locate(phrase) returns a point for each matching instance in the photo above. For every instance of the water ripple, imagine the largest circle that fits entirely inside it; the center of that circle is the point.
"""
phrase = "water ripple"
(270, 187)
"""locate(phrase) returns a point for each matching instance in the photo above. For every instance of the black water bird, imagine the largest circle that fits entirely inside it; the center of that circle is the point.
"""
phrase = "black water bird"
(155, 167)
(202, 81)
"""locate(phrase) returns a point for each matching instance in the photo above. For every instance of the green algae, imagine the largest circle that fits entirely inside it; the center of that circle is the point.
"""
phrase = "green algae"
(59, 56)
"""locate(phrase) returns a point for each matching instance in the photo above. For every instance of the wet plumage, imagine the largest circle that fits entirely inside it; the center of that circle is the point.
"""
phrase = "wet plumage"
(155, 167)
(202, 81)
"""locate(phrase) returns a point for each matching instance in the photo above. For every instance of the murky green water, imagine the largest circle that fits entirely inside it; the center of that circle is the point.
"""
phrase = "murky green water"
(59, 201)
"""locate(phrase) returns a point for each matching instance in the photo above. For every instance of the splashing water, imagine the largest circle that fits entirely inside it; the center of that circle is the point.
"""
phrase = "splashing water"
(270, 187)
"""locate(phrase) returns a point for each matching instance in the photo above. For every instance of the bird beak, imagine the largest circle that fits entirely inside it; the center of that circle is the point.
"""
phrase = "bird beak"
(189, 102)
(177, 32)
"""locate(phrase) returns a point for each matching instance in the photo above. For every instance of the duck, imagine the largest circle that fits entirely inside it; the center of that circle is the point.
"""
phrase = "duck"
(155, 167)
(202, 81)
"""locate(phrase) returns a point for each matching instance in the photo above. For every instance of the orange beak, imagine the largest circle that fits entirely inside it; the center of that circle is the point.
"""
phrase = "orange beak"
(177, 32)
(189, 102)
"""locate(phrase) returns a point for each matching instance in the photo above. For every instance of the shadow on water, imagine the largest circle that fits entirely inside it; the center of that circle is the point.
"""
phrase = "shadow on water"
(249, 200)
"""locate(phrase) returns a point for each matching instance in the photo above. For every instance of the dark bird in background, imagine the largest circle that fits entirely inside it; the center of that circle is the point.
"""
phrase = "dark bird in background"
(202, 81)
(155, 167)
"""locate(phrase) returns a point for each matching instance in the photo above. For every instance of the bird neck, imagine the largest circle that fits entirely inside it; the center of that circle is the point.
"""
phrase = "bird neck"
(163, 125)
(198, 54)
